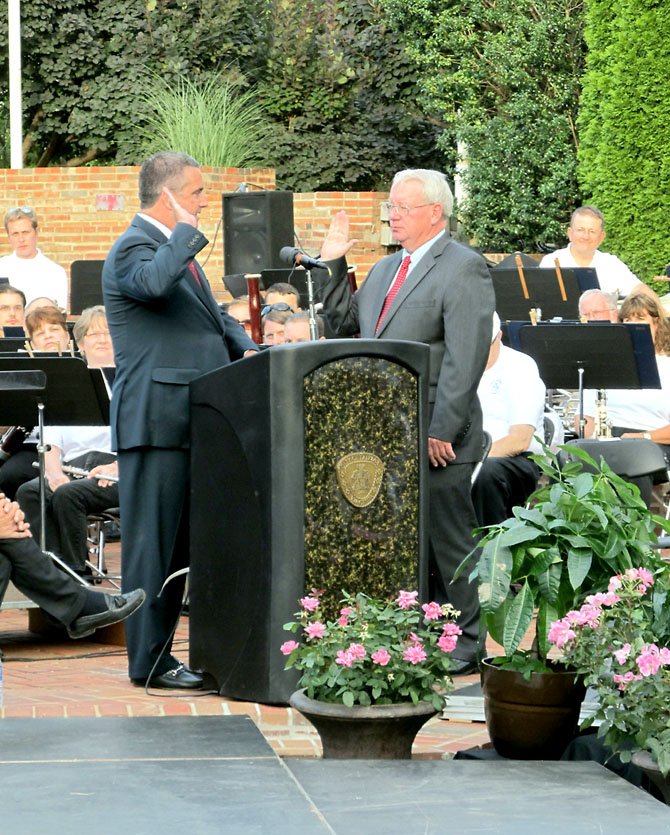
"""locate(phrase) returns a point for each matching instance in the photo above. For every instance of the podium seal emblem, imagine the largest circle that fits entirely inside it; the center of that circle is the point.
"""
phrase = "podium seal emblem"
(359, 475)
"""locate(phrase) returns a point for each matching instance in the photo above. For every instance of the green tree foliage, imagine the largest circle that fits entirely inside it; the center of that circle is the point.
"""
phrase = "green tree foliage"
(624, 152)
(340, 95)
(504, 76)
(344, 96)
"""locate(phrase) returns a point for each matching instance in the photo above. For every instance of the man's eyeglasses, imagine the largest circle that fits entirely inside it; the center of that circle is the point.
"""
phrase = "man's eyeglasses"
(280, 307)
(402, 209)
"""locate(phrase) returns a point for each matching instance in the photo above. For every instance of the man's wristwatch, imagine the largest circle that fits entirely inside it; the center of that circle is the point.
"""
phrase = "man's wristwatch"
(647, 436)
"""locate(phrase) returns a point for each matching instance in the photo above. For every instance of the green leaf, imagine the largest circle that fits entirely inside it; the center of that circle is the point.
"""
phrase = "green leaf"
(495, 567)
(579, 563)
(519, 616)
(348, 698)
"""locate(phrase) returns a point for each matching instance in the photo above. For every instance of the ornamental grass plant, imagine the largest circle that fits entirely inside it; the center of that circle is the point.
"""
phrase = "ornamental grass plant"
(619, 640)
(377, 652)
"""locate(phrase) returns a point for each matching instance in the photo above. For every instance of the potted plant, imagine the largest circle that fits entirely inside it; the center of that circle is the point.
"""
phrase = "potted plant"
(373, 676)
(619, 641)
(578, 529)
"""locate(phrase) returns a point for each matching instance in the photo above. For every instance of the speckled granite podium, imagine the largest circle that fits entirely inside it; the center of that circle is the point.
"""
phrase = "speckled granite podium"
(308, 470)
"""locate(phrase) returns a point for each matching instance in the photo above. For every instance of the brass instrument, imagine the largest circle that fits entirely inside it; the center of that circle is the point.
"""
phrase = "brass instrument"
(602, 425)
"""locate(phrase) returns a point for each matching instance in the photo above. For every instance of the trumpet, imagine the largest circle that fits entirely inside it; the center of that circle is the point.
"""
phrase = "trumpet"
(602, 425)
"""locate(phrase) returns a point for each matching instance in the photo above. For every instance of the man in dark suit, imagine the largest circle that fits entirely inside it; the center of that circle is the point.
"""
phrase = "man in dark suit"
(438, 292)
(167, 329)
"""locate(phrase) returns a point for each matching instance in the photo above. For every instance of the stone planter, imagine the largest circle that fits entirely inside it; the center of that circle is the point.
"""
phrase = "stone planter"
(644, 761)
(534, 719)
(378, 732)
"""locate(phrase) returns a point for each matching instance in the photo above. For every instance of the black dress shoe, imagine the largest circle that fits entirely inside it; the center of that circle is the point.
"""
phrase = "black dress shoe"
(178, 678)
(119, 606)
(463, 666)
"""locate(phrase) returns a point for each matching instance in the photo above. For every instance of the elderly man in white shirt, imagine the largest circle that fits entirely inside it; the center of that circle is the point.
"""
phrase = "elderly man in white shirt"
(586, 232)
(27, 268)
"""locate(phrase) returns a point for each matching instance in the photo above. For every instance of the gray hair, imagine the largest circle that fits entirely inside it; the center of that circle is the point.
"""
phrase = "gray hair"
(588, 210)
(160, 170)
(303, 316)
(608, 299)
(435, 187)
(86, 319)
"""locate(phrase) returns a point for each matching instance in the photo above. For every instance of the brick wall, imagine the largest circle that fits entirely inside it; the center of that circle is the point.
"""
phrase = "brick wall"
(83, 210)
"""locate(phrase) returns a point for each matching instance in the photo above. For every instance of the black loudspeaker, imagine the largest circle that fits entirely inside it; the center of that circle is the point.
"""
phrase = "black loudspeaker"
(85, 285)
(256, 225)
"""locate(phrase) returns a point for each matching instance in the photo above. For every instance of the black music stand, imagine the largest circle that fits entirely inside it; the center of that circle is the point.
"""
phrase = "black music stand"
(69, 393)
(556, 299)
(12, 344)
(598, 355)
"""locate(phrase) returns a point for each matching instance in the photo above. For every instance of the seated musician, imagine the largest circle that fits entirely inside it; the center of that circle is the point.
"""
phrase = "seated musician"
(281, 291)
(296, 328)
(512, 397)
(585, 234)
(47, 330)
(12, 307)
(87, 448)
(273, 321)
(640, 413)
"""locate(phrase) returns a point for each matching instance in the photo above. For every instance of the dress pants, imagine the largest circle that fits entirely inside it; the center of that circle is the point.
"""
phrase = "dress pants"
(154, 491)
(36, 576)
(503, 483)
(452, 519)
(67, 509)
(18, 469)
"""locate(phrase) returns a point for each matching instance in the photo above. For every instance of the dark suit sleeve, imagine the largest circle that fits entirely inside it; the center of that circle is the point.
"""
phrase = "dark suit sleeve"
(467, 311)
(339, 302)
(237, 338)
(145, 272)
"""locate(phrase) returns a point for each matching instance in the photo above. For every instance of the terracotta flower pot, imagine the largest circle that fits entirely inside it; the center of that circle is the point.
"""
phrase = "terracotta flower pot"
(378, 732)
(534, 719)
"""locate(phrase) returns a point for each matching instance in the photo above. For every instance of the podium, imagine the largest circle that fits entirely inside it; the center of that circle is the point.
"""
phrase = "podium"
(308, 470)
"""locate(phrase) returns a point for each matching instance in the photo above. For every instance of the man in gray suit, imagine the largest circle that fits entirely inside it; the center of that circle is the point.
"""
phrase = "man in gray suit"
(438, 292)
(167, 329)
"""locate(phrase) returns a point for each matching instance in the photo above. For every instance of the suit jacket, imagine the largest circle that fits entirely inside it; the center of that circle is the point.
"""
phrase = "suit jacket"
(166, 331)
(447, 301)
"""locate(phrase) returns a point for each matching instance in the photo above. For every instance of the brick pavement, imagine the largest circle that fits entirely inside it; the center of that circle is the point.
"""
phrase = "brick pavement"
(50, 675)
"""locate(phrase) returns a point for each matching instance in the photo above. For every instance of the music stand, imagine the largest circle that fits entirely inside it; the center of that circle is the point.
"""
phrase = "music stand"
(12, 344)
(595, 355)
(69, 393)
(557, 297)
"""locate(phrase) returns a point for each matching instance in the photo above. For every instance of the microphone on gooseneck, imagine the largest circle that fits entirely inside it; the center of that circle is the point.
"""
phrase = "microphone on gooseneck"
(294, 257)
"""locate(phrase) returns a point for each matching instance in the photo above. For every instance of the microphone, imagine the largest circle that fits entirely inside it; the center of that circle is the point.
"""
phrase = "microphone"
(291, 255)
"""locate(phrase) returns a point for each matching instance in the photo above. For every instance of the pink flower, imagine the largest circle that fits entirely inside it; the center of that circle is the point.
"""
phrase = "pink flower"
(343, 620)
(649, 660)
(315, 630)
(451, 629)
(357, 651)
(381, 657)
(665, 655)
(344, 658)
(407, 599)
(622, 654)
(615, 583)
(625, 679)
(288, 647)
(447, 643)
(415, 638)
(603, 599)
(309, 604)
(432, 611)
(560, 632)
(414, 654)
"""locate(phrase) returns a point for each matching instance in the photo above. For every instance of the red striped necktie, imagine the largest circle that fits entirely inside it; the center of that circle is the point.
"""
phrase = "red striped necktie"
(194, 272)
(394, 290)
